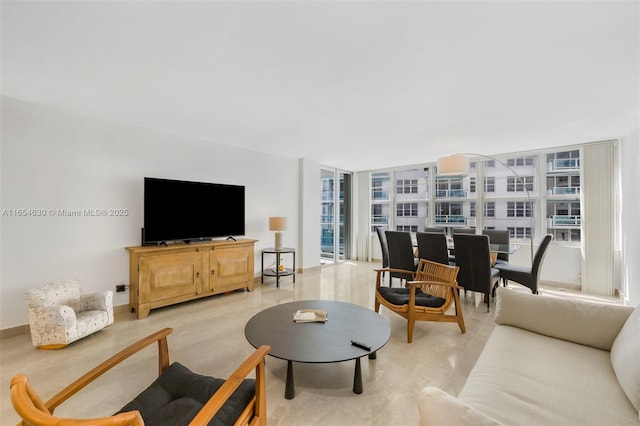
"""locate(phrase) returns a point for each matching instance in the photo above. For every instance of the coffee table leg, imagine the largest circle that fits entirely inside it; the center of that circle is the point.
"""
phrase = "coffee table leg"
(357, 378)
(289, 390)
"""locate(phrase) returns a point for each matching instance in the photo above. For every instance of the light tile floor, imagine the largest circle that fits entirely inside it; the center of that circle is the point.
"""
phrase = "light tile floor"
(209, 338)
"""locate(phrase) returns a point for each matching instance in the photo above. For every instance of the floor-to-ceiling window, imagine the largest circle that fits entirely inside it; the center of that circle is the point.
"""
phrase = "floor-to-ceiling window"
(509, 196)
(563, 195)
(335, 220)
(400, 200)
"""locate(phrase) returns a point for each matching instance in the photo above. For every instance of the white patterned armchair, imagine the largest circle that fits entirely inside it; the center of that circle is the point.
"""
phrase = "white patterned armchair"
(59, 314)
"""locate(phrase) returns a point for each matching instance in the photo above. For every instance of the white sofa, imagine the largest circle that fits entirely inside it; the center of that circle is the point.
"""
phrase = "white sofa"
(549, 361)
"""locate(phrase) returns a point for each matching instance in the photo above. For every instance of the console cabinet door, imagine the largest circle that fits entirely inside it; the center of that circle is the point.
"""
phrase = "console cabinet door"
(169, 276)
(231, 268)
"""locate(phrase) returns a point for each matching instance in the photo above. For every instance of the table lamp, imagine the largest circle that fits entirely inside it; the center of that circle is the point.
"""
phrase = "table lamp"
(278, 224)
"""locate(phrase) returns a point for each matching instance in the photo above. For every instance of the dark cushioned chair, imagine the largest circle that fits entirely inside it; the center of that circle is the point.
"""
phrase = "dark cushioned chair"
(177, 397)
(401, 256)
(452, 253)
(433, 246)
(463, 231)
(473, 256)
(528, 277)
(428, 298)
(439, 230)
(498, 236)
(383, 246)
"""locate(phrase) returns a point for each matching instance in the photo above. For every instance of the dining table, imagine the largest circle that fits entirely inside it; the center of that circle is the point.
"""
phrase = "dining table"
(494, 249)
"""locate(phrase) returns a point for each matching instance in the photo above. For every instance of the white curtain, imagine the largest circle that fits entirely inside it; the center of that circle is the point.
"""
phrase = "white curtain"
(598, 219)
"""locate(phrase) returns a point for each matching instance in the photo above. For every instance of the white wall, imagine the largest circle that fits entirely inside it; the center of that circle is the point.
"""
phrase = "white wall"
(54, 159)
(309, 230)
(629, 202)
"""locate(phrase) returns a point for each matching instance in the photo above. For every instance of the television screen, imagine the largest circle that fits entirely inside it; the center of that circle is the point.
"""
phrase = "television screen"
(183, 210)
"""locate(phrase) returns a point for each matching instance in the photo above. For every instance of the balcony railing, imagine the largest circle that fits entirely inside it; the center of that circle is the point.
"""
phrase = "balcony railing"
(451, 218)
(380, 220)
(563, 164)
(563, 190)
(326, 218)
(451, 193)
(564, 221)
(380, 196)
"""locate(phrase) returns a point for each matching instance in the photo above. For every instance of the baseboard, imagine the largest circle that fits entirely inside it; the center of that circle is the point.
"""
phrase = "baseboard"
(560, 285)
(14, 331)
(118, 311)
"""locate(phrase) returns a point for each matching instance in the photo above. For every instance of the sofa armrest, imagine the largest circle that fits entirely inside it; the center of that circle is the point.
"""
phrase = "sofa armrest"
(438, 408)
(577, 321)
(102, 301)
(52, 324)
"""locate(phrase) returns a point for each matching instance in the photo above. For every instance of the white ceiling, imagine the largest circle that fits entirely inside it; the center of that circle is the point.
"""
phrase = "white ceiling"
(355, 85)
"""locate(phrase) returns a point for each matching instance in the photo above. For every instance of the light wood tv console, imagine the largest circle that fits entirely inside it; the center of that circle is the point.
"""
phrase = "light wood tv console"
(165, 275)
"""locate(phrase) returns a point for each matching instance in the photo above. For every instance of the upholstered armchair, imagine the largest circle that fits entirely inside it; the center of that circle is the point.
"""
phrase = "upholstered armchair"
(59, 314)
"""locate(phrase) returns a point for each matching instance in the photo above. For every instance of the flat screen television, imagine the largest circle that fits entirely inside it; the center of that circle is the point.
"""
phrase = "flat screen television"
(178, 210)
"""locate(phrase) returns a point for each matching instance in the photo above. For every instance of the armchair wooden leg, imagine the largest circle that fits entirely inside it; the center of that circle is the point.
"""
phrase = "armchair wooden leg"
(456, 302)
(410, 326)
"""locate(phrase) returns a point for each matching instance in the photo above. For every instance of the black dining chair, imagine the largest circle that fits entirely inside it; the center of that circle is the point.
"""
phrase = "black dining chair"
(441, 230)
(473, 256)
(452, 253)
(401, 255)
(528, 277)
(463, 231)
(383, 246)
(498, 236)
(433, 246)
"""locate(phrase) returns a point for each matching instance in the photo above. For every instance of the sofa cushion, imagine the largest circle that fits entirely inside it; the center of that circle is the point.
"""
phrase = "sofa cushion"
(438, 408)
(585, 323)
(625, 357)
(177, 395)
(530, 379)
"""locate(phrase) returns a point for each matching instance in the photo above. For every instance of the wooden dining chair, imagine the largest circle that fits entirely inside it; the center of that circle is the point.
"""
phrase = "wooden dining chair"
(429, 297)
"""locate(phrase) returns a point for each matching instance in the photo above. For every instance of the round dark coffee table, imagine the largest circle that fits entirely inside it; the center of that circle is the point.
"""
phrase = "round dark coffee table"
(319, 342)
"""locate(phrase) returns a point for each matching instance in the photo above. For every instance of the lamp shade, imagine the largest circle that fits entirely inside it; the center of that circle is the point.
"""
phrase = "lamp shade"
(277, 223)
(453, 165)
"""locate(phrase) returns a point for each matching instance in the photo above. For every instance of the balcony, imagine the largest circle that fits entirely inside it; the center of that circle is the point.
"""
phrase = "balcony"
(380, 220)
(451, 193)
(451, 219)
(564, 165)
(563, 190)
(380, 196)
(564, 221)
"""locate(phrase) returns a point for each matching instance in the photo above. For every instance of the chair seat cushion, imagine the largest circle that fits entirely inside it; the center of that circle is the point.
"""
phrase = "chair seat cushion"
(178, 394)
(516, 273)
(400, 296)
